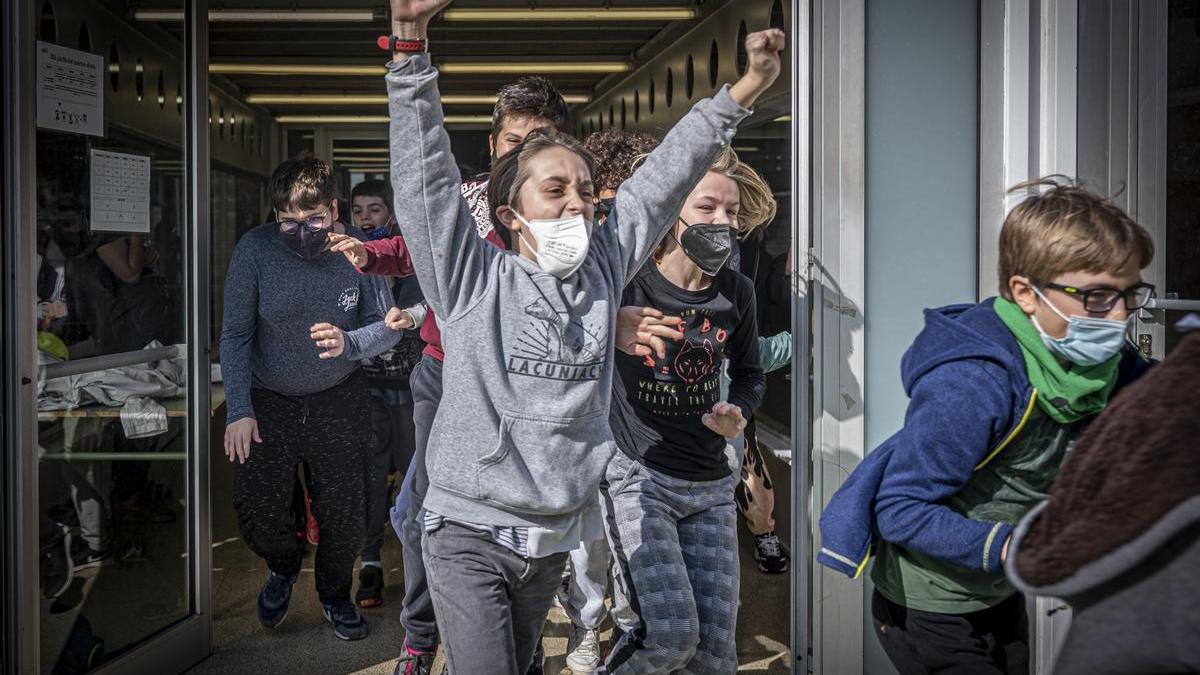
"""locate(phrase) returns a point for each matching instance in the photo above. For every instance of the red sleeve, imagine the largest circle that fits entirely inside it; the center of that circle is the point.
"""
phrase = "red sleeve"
(388, 257)
(494, 237)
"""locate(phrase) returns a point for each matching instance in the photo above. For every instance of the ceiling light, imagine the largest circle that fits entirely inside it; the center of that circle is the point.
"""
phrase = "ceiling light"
(534, 67)
(380, 99)
(783, 118)
(373, 119)
(259, 15)
(292, 69)
(570, 14)
(459, 67)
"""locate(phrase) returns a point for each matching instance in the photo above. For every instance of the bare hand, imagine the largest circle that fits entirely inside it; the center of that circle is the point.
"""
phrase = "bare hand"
(330, 338)
(354, 250)
(416, 11)
(763, 65)
(642, 331)
(397, 319)
(725, 419)
(763, 50)
(238, 437)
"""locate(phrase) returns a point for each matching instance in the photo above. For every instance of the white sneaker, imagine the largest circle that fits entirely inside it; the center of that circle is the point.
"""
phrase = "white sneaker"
(583, 652)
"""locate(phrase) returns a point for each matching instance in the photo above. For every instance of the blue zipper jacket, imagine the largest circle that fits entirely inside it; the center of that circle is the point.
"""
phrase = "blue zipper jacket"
(969, 398)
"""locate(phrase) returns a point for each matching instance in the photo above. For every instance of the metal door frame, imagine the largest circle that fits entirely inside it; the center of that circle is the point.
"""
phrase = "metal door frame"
(187, 642)
(801, 32)
(837, 293)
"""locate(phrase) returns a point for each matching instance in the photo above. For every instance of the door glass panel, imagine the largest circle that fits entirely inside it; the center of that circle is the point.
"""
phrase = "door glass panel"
(112, 396)
(1182, 240)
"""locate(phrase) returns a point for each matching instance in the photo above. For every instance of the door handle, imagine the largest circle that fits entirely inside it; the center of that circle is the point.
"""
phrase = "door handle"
(1155, 311)
(1174, 304)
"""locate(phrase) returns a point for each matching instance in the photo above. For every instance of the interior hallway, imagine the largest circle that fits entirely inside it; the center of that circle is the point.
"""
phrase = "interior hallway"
(304, 643)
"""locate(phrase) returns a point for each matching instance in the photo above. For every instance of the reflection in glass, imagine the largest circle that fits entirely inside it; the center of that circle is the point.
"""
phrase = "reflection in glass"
(111, 300)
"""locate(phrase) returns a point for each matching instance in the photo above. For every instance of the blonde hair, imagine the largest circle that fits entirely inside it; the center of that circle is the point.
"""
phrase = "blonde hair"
(756, 201)
(1063, 228)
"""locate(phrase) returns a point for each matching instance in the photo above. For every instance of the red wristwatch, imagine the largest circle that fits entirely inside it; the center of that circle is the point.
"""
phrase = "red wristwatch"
(393, 44)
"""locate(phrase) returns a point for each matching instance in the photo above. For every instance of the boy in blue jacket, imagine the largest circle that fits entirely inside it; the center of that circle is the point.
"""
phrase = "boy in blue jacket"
(999, 391)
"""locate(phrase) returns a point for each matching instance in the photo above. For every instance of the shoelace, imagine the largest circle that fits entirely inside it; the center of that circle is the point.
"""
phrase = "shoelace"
(345, 612)
(277, 587)
(770, 546)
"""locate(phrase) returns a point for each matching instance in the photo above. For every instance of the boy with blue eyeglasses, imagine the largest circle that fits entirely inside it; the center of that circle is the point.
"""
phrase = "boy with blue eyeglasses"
(999, 391)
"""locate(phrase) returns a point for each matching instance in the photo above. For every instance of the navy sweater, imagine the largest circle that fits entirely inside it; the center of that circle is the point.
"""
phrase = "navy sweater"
(272, 298)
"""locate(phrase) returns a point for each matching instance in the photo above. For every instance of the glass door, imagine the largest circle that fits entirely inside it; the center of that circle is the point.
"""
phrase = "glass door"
(118, 497)
(1179, 286)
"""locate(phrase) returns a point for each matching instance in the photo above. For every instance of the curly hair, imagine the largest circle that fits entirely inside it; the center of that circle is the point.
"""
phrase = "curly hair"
(615, 151)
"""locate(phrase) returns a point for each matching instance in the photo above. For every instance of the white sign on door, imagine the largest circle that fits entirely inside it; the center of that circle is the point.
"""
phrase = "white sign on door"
(120, 192)
(70, 90)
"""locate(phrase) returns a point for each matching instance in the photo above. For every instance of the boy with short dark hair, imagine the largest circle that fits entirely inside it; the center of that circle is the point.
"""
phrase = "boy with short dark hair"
(999, 391)
(296, 322)
(391, 400)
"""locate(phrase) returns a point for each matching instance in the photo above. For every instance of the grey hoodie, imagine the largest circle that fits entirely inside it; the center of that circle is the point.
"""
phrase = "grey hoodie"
(521, 436)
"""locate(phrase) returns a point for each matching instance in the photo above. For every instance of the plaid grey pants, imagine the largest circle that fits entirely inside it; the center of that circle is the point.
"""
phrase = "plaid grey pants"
(675, 543)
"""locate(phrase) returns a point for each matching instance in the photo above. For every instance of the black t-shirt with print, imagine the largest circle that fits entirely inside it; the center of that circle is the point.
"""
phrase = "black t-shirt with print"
(657, 404)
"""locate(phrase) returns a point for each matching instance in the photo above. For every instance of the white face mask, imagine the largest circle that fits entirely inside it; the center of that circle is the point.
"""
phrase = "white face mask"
(562, 243)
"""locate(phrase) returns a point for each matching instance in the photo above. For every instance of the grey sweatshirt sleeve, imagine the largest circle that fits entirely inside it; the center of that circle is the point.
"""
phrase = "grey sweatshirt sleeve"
(447, 254)
(648, 203)
(373, 337)
(418, 313)
(238, 324)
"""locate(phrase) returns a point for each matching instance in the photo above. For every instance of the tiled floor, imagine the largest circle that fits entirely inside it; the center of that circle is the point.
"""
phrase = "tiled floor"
(305, 644)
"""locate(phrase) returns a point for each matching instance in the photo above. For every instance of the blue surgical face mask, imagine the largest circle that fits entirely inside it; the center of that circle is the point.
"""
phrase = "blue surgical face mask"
(1089, 341)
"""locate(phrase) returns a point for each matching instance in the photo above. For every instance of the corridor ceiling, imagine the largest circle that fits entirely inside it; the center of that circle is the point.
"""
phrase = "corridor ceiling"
(293, 35)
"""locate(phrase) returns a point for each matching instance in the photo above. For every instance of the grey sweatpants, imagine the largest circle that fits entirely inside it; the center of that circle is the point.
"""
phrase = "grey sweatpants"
(675, 543)
(490, 602)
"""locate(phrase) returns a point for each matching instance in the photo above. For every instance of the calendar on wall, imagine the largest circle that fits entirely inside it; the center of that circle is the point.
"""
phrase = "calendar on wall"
(120, 192)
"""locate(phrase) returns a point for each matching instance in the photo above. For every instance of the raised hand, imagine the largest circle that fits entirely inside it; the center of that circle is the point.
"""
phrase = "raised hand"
(725, 419)
(763, 65)
(354, 250)
(642, 331)
(330, 338)
(397, 319)
(416, 10)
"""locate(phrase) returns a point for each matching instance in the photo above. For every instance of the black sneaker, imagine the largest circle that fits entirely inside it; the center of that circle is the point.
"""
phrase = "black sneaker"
(91, 558)
(55, 566)
(370, 587)
(273, 599)
(771, 554)
(414, 662)
(348, 623)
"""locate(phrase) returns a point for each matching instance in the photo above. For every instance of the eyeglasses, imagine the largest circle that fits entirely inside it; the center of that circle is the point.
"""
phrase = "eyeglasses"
(312, 223)
(1100, 300)
(605, 206)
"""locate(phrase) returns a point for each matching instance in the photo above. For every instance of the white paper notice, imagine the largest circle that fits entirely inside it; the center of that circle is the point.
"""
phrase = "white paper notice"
(70, 90)
(120, 192)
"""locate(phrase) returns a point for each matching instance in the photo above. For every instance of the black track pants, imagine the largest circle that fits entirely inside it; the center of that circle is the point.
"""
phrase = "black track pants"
(331, 432)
